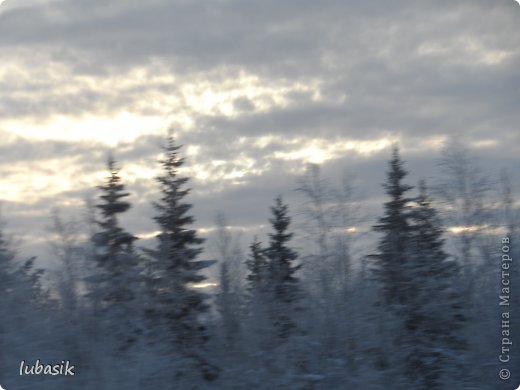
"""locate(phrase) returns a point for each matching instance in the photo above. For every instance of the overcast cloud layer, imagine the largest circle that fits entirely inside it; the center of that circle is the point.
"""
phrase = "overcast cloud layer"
(253, 89)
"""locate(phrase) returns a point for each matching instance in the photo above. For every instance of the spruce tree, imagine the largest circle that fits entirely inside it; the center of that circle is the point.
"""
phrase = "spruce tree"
(390, 260)
(112, 240)
(175, 304)
(433, 317)
(7, 281)
(418, 286)
(115, 286)
(22, 306)
(389, 267)
(284, 285)
(8, 284)
(259, 330)
(257, 266)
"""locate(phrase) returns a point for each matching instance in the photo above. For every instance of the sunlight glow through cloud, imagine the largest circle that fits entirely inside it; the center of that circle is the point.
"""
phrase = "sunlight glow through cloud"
(320, 150)
(122, 127)
(466, 229)
(31, 182)
(263, 95)
(83, 78)
(147, 112)
(204, 285)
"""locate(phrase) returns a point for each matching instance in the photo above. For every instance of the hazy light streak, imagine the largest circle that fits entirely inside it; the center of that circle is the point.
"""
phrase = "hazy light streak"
(204, 285)
(466, 229)
(122, 127)
(148, 235)
(318, 151)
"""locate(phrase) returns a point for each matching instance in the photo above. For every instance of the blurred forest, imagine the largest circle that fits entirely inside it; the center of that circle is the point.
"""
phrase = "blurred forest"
(416, 306)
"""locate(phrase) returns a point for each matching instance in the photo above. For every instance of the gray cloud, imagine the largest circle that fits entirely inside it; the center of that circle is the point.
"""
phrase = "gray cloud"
(332, 71)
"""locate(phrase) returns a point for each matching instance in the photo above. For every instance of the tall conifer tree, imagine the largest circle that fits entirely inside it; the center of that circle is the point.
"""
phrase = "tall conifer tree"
(175, 304)
(390, 260)
(115, 285)
(433, 317)
(284, 285)
(257, 266)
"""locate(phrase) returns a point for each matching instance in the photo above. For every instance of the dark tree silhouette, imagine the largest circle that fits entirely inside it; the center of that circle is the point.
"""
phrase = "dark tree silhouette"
(284, 284)
(433, 317)
(115, 287)
(175, 304)
(390, 260)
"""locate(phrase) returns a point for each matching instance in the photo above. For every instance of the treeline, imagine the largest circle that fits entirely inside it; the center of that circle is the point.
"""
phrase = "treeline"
(419, 310)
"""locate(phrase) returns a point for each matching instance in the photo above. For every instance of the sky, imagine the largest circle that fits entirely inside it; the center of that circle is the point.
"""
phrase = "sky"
(254, 90)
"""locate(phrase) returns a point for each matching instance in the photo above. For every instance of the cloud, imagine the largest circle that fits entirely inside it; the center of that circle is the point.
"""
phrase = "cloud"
(253, 89)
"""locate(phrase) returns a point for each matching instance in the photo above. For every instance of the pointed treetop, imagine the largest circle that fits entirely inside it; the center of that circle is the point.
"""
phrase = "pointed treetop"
(111, 164)
(112, 194)
(280, 222)
(396, 173)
